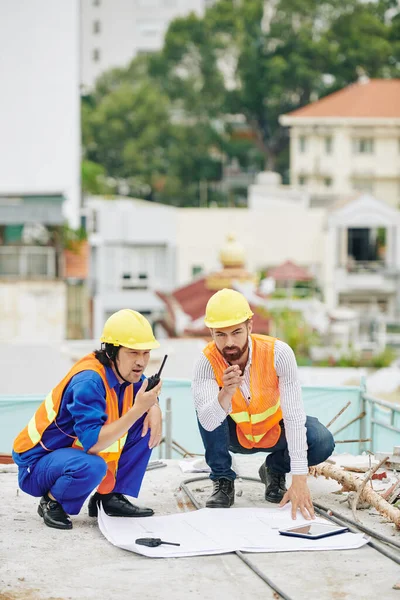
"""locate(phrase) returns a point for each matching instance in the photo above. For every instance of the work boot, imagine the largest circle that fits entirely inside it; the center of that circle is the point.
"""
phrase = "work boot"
(275, 484)
(223, 495)
(116, 505)
(53, 513)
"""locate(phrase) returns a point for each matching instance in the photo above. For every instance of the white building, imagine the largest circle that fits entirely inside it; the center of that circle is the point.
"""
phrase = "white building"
(113, 32)
(40, 163)
(348, 141)
(133, 253)
(352, 249)
(39, 105)
(362, 256)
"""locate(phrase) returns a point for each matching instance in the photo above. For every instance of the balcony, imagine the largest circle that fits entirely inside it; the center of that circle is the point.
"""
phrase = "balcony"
(374, 276)
(27, 262)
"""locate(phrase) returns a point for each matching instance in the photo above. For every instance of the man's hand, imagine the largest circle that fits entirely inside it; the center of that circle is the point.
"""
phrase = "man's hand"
(299, 495)
(145, 400)
(153, 421)
(232, 379)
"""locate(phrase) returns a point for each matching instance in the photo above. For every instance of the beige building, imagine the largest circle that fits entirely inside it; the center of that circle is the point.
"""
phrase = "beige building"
(348, 141)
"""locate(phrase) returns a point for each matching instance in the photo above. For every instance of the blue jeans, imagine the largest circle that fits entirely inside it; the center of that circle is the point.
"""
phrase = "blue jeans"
(70, 475)
(223, 439)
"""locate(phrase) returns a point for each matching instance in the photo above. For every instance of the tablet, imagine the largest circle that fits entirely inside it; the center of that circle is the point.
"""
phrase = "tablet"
(313, 531)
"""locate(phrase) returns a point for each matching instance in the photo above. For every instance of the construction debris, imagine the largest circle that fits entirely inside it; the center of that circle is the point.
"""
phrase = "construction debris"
(353, 483)
(393, 460)
(361, 487)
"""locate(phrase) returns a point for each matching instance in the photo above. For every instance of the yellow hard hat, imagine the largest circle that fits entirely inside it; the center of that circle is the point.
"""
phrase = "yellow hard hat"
(227, 308)
(130, 329)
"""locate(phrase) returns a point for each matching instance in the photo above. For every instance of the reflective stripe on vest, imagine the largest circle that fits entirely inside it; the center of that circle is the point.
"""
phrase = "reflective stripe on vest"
(116, 447)
(257, 422)
(245, 417)
(33, 432)
(51, 413)
(48, 410)
(255, 438)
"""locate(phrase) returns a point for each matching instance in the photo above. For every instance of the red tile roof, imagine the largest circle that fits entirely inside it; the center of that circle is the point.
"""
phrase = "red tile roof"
(379, 98)
(289, 271)
(193, 299)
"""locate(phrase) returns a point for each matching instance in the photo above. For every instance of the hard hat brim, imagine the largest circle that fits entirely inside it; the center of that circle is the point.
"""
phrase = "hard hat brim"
(142, 346)
(229, 323)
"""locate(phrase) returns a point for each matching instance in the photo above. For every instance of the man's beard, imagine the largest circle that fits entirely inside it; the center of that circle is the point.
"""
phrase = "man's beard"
(237, 355)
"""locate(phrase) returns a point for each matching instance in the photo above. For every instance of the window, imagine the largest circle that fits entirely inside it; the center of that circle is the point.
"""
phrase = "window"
(150, 27)
(363, 145)
(302, 143)
(96, 55)
(363, 185)
(196, 270)
(327, 181)
(302, 180)
(96, 26)
(366, 245)
(328, 144)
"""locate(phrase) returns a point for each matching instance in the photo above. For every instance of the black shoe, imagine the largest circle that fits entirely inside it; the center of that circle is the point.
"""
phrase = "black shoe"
(53, 513)
(223, 495)
(275, 484)
(116, 505)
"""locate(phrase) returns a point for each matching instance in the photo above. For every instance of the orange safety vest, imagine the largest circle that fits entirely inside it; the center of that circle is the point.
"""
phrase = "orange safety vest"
(257, 423)
(47, 412)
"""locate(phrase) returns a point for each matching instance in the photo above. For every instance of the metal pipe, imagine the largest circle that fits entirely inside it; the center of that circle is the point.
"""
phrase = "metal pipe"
(324, 511)
(353, 527)
(242, 557)
(363, 432)
(351, 441)
(372, 400)
(168, 428)
(375, 422)
(360, 416)
(337, 415)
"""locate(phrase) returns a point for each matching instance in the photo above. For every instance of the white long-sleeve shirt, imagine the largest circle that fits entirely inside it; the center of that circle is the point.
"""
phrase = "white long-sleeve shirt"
(205, 391)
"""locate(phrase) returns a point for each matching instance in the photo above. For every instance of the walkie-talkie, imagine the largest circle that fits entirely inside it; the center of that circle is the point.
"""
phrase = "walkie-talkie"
(155, 379)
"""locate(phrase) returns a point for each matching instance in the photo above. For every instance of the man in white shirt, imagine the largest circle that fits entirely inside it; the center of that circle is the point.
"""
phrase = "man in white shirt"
(248, 399)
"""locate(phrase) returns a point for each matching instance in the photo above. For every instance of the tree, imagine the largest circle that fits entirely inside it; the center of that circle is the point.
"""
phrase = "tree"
(163, 126)
(263, 59)
(135, 141)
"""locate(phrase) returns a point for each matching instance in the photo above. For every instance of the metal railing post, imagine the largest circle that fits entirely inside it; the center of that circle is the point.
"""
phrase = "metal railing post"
(168, 429)
(364, 410)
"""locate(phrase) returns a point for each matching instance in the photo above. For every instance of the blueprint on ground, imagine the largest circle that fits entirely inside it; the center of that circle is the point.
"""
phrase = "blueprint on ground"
(217, 531)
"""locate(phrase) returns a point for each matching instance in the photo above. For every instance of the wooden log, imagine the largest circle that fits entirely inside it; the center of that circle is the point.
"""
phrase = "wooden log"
(362, 485)
(351, 482)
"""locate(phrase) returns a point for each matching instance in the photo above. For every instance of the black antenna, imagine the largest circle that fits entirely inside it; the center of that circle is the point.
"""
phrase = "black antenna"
(162, 365)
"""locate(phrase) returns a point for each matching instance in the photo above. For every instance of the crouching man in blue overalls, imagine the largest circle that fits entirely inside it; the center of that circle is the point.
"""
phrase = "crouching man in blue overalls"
(95, 429)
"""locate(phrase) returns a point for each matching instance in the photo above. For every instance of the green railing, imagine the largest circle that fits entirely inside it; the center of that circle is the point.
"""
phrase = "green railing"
(365, 418)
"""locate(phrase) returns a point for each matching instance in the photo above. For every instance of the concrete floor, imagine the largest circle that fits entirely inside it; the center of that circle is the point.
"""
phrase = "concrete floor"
(38, 563)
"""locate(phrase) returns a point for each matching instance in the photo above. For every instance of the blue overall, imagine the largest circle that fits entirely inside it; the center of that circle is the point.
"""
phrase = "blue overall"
(69, 474)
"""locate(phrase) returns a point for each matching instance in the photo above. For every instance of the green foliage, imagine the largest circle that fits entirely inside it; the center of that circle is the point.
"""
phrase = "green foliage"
(354, 359)
(167, 122)
(279, 59)
(94, 178)
(133, 132)
(71, 238)
(291, 327)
